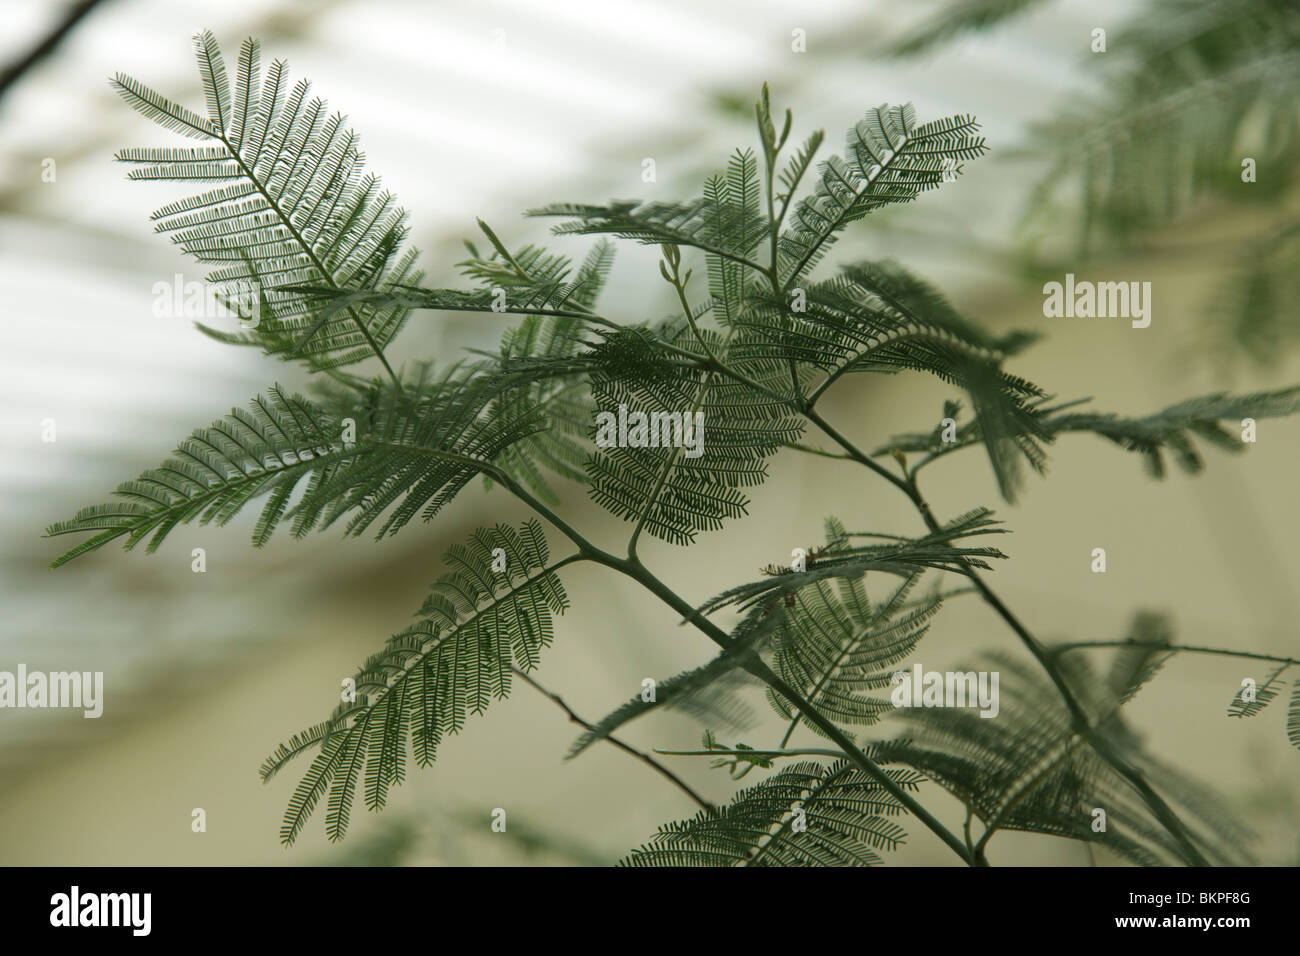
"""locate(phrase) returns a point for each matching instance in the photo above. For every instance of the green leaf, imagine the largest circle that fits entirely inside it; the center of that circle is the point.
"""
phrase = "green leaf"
(735, 199)
(876, 317)
(725, 221)
(216, 472)
(1172, 430)
(1133, 667)
(673, 496)
(836, 649)
(1028, 770)
(706, 692)
(809, 814)
(889, 160)
(414, 452)
(475, 626)
(906, 557)
(1264, 694)
(292, 208)
(957, 18)
(1293, 716)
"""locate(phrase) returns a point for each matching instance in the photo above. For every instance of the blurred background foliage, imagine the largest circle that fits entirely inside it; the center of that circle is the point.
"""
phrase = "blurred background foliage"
(1187, 94)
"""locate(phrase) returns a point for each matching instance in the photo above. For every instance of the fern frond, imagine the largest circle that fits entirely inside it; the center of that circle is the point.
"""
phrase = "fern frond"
(1165, 132)
(734, 194)
(798, 165)
(533, 278)
(809, 814)
(674, 497)
(724, 224)
(1293, 716)
(537, 284)
(424, 446)
(216, 472)
(476, 624)
(1264, 694)
(529, 281)
(837, 649)
(955, 19)
(890, 160)
(1255, 308)
(1133, 667)
(1028, 769)
(293, 209)
(876, 317)
(414, 452)
(538, 345)
(161, 110)
(905, 558)
(1171, 430)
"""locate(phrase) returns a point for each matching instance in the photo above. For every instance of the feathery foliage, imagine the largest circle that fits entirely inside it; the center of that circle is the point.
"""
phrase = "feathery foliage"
(837, 647)
(724, 221)
(809, 814)
(415, 452)
(956, 19)
(542, 350)
(563, 447)
(905, 558)
(706, 692)
(1169, 431)
(889, 160)
(1252, 699)
(474, 626)
(1193, 88)
(673, 495)
(876, 317)
(215, 472)
(290, 206)
(293, 218)
(1028, 769)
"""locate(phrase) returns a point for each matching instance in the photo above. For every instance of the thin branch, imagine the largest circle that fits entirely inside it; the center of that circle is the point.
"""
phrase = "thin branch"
(1079, 719)
(1082, 726)
(809, 450)
(626, 748)
(854, 452)
(724, 752)
(47, 45)
(1174, 648)
(640, 573)
(634, 569)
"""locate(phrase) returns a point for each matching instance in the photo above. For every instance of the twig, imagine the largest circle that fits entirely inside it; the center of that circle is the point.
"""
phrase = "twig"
(626, 748)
